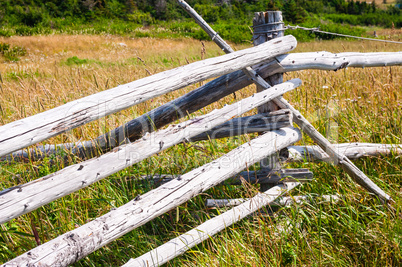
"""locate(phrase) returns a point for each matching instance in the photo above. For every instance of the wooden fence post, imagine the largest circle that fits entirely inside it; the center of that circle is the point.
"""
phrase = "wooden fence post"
(267, 26)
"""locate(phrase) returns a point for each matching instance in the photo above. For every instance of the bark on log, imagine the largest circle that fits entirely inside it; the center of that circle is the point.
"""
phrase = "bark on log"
(76, 244)
(184, 242)
(24, 198)
(210, 93)
(31, 130)
(281, 202)
(234, 127)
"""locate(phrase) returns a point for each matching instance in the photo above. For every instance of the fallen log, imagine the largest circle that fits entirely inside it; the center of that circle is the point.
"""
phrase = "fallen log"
(281, 202)
(184, 242)
(31, 130)
(78, 243)
(234, 127)
(22, 199)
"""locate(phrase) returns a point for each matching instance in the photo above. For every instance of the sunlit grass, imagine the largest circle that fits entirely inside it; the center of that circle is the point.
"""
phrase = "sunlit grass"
(365, 104)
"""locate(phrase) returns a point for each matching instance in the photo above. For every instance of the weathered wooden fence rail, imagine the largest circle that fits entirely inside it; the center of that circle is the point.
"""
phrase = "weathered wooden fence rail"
(209, 93)
(245, 207)
(267, 58)
(233, 127)
(31, 130)
(336, 157)
(24, 198)
(82, 241)
(280, 202)
(184, 242)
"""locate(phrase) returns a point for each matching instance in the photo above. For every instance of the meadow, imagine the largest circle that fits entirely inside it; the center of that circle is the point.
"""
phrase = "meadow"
(365, 105)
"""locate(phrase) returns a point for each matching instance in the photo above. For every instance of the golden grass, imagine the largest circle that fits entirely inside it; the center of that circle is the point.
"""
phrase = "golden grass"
(41, 80)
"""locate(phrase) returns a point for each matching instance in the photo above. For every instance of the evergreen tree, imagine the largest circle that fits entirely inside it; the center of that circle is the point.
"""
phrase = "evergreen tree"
(293, 12)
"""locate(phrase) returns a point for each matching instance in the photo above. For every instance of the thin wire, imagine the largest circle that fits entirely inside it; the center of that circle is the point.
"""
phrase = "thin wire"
(338, 34)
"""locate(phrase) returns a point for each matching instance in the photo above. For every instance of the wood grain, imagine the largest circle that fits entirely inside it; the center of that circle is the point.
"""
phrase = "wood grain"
(76, 244)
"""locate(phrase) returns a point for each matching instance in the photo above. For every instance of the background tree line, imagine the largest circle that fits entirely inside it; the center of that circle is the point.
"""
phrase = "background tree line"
(34, 12)
(231, 18)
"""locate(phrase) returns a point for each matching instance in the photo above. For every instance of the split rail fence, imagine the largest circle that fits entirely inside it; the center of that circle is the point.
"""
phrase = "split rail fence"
(140, 139)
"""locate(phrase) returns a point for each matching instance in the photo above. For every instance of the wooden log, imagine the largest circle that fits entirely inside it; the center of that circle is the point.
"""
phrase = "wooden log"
(250, 124)
(281, 202)
(184, 242)
(267, 26)
(308, 128)
(330, 61)
(78, 243)
(252, 177)
(31, 130)
(234, 127)
(272, 178)
(350, 150)
(208, 94)
(24, 198)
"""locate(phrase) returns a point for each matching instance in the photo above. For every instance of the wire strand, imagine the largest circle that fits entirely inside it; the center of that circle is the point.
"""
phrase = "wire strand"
(339, 34)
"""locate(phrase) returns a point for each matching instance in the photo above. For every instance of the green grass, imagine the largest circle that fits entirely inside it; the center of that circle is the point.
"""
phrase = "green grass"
(236, 32)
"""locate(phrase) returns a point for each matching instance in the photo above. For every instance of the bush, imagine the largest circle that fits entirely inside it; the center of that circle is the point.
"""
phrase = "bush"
(140, 17)
(12, 53)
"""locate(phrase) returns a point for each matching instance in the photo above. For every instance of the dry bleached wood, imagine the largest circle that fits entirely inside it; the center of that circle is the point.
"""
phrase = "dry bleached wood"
(330, 61)
(252, 177)
(210, 93)
(28, 131)
(184, 242)
(234, 127)
(22, 199)
(350, 150)
(306, 126)
(78, 243)
(281, 202)
(270, 24)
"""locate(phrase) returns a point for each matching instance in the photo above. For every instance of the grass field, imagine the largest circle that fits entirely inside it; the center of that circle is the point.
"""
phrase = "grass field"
(366, 104)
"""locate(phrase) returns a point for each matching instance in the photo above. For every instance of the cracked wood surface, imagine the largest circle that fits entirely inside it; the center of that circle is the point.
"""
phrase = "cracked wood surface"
(252, 177)
(281, 202)
(350, 150)
(234, 127)
(184, 242)
(24, 198)
(354, 172)
(76, 244)
(31, 130)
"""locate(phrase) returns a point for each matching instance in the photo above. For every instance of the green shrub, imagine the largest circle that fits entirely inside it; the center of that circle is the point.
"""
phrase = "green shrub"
(140, 17)
(6, 32)
(76, 61)
(12, 53)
